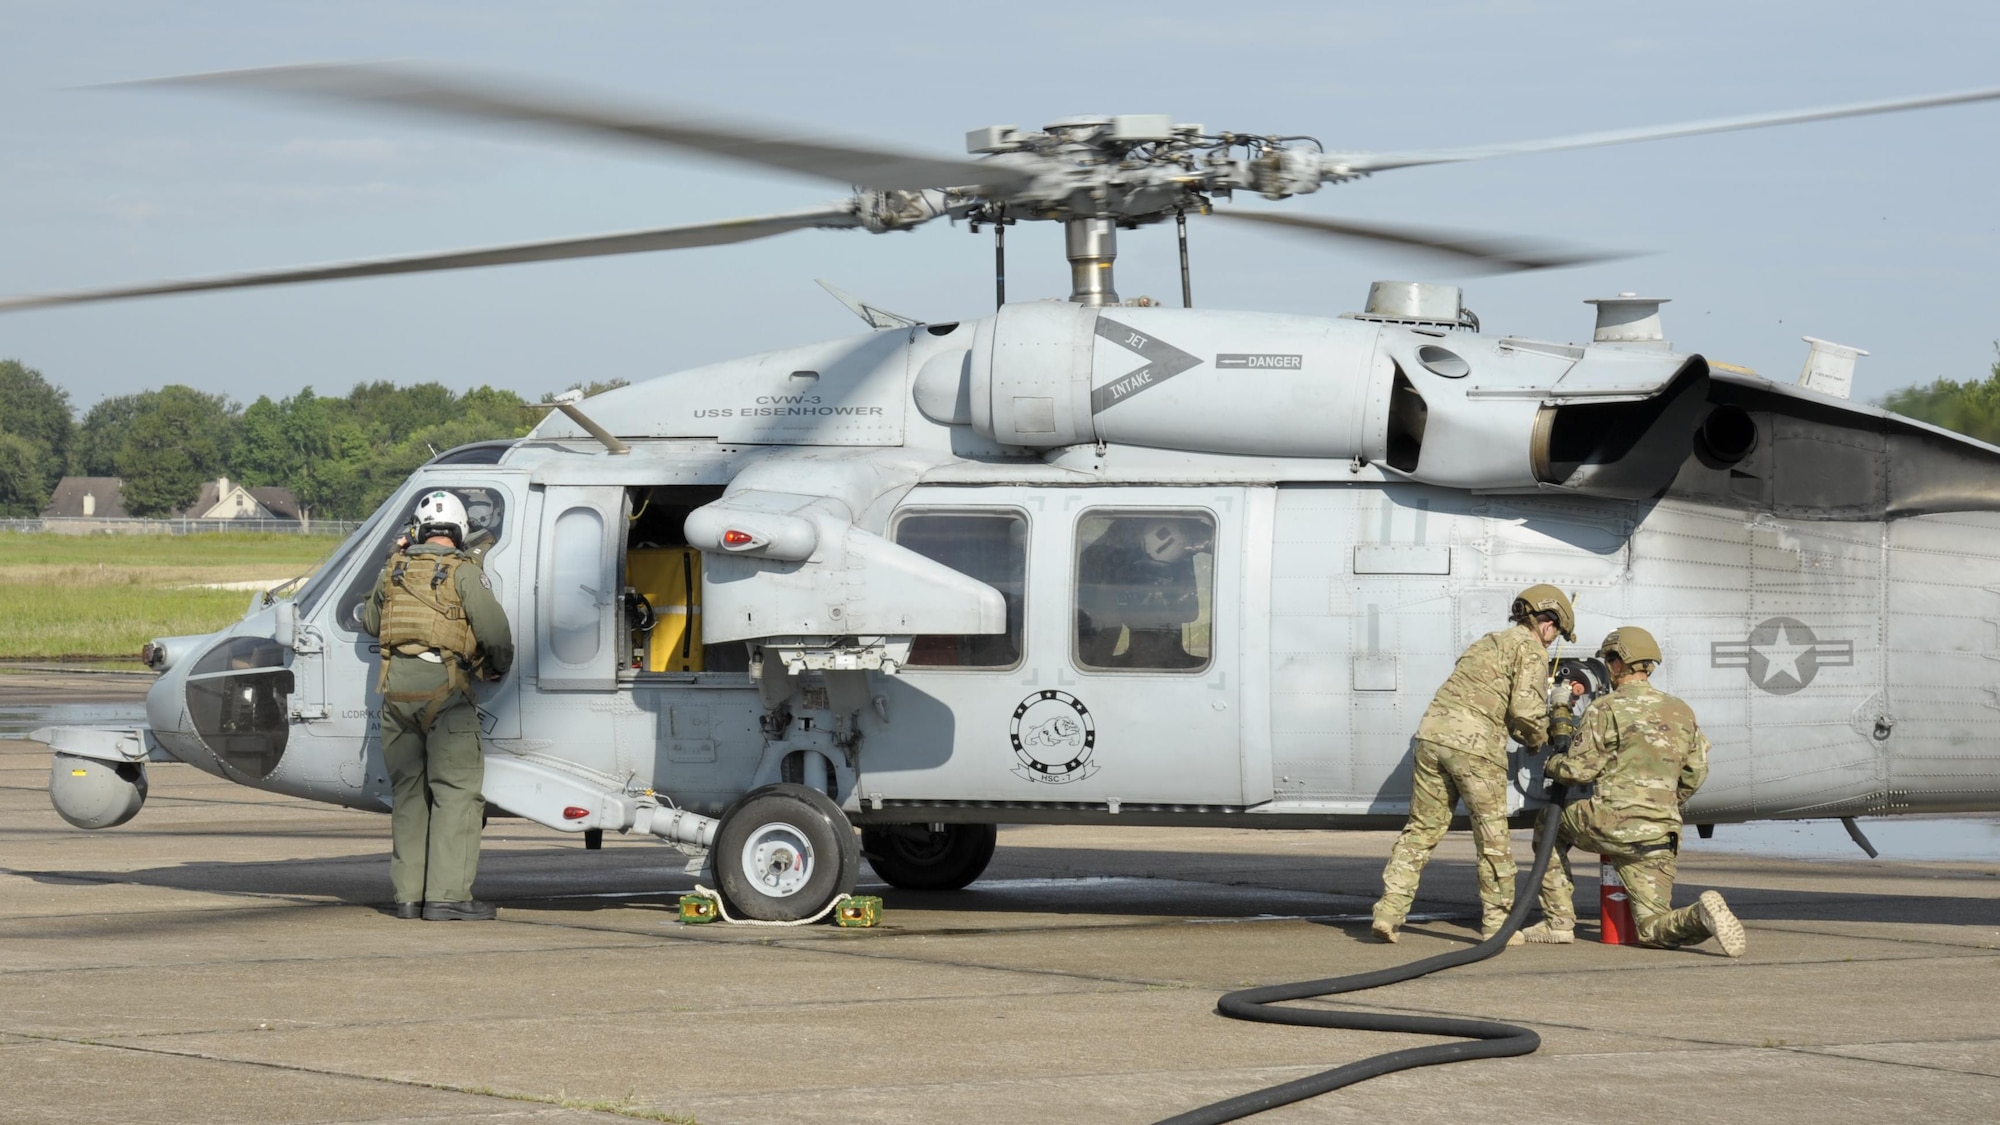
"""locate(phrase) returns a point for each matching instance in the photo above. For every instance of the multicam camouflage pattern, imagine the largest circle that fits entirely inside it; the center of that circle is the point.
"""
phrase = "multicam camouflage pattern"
(1649, 886)
(1498, 687)
(1641, 749)
(1442, 775)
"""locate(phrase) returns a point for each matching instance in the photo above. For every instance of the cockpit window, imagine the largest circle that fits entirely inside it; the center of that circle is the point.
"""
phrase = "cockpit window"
(315, 588)
(485, 511)
(240, 654)
(236, 698)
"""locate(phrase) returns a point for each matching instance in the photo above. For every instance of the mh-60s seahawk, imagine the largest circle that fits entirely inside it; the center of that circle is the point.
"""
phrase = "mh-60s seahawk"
(1081, 562)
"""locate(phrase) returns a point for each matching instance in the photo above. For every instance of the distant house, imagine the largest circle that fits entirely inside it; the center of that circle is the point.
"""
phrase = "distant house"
(88, 497)
(220, 499)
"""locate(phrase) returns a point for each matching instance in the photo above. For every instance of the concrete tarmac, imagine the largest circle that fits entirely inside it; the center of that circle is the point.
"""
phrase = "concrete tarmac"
(225, 958)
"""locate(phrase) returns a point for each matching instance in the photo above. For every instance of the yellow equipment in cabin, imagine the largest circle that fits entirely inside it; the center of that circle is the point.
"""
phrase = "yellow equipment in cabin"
(670, 579)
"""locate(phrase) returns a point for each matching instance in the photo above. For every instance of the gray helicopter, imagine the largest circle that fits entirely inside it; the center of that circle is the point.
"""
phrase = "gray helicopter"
(1080, 561)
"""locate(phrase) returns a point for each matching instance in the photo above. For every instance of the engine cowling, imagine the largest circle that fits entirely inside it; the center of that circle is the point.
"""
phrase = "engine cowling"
(1045, 375)
(90, 793)
(1435, 405)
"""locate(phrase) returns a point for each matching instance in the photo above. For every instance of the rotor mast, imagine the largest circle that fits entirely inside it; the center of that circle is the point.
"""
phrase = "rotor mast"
(1091, 246)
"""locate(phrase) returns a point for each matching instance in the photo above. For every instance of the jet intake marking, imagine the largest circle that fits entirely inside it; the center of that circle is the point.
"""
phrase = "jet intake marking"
(1163, 362)
(1260, 360)
(1781, 655)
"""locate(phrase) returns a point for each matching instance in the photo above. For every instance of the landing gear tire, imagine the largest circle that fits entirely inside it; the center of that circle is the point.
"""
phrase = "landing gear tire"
(922, 857)
(783, 852)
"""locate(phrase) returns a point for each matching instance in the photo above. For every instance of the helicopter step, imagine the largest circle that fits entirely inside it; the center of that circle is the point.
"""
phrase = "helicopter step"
(561, 799)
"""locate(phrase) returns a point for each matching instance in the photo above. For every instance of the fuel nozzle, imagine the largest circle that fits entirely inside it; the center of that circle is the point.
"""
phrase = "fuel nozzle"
(1562, 727)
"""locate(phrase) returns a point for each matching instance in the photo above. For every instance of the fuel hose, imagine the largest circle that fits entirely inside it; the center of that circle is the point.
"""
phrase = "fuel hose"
(1482, 1039)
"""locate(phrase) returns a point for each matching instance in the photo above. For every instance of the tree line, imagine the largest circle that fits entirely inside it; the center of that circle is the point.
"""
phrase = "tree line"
(340, 456)
(1971, 408)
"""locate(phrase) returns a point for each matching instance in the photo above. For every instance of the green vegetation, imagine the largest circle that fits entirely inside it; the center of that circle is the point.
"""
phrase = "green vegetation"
(339, 456)
(102, 596)
(36, 434)
(70, 597)
(1971, 408)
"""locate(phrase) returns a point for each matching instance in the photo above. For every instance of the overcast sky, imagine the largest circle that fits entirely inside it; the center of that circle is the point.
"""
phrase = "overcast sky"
(1877, 232)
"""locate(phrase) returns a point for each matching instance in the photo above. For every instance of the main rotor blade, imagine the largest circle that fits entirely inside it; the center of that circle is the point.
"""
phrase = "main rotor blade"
(1383, 161)
(408, 87)
(597, 246)
(1477, 253)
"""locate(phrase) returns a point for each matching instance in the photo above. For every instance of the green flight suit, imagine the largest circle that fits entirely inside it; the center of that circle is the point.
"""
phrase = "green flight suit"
(430, 742)
(1642, 752)
(1497, 687)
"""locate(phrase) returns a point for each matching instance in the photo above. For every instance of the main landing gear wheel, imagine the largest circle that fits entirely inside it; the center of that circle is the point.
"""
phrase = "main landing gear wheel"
(924, 857)
(783, 853)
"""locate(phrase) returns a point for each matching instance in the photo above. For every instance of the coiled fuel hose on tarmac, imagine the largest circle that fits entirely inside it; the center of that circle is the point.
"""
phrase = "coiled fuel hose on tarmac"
(1483, 1039)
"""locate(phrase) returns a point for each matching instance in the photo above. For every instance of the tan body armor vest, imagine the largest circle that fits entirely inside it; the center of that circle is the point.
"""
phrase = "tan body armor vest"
(421, 608)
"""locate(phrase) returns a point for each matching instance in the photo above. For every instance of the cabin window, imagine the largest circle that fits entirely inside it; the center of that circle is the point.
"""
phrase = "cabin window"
(1145, 582)
(989, 546)
(485, 515)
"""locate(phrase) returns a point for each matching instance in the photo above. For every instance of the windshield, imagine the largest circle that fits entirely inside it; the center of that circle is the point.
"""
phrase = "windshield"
(485, 513)
(322, 579)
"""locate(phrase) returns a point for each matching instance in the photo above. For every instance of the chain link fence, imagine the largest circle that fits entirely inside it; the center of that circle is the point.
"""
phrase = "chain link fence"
(133, 525)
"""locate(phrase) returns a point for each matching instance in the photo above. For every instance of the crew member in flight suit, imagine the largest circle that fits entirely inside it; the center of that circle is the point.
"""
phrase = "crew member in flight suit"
(1638, 757)
(1137, 584)
(1498, 687)
(440, 627)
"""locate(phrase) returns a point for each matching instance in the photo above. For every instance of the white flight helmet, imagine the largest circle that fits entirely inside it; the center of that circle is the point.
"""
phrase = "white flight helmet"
(1166, 541)
(441, 513)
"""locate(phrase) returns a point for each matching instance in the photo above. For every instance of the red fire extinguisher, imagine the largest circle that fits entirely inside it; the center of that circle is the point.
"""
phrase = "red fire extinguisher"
(1614, 906)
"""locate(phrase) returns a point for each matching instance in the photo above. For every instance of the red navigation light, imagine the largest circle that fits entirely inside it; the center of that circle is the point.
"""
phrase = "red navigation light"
(735, 538)
(575, 813)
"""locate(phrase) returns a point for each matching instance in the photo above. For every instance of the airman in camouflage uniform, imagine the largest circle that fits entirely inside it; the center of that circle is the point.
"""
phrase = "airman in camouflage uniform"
(1638, 757)
(1496, 689)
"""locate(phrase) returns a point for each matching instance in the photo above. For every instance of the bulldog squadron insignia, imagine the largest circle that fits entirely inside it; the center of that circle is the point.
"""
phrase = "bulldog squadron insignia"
(1053, 736)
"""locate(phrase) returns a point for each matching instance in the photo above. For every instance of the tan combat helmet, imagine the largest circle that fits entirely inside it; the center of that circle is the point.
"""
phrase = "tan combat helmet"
(1547, 599)
(1633, 645)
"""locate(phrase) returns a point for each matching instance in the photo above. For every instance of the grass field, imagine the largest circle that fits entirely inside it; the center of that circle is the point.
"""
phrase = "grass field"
(99, 597)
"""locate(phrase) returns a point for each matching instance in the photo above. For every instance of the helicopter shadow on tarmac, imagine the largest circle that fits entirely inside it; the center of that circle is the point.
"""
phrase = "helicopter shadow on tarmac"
(1121, 883)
